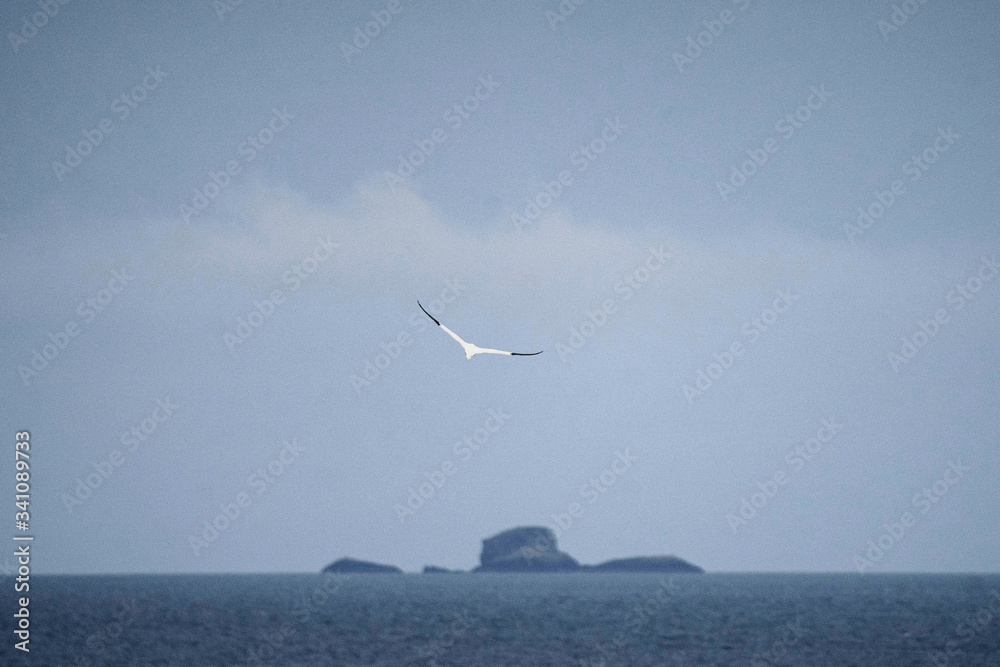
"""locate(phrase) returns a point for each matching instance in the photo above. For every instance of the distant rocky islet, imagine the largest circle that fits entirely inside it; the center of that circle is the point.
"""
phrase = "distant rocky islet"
(528, 549)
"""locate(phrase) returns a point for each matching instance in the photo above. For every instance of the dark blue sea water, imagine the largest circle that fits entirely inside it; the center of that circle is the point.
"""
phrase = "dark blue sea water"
(509, 619)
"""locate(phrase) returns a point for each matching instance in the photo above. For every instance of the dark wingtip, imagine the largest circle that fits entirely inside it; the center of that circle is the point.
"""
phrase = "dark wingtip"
(428, 314)
(525, 354)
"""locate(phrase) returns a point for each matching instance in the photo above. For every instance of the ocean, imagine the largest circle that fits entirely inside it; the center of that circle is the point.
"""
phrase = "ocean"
(579, 619)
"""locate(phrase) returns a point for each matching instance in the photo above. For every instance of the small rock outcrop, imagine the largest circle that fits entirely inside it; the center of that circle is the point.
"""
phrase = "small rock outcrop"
(647, 564)
(433, 569)
(527, 549)
(352, 566)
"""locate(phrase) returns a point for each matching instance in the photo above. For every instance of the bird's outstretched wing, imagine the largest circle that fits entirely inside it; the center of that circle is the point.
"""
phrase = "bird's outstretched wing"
(454, 335)
(428, 314)
(487, 350)
(447, 330)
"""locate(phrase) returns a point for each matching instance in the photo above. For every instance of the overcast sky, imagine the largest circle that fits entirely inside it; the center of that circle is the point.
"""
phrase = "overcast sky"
(216, 221)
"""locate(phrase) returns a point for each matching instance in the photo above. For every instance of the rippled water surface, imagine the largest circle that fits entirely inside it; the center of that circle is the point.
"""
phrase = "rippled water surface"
(510, 619)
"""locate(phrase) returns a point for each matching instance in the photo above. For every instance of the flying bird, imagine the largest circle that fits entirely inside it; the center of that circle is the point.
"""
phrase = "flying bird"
(472, 350)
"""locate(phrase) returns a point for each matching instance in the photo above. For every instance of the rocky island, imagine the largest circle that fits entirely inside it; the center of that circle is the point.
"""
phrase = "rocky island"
(529, 549)
(647, 564)
(352, 566)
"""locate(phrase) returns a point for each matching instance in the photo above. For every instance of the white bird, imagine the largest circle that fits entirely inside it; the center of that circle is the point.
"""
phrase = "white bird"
(472, 350)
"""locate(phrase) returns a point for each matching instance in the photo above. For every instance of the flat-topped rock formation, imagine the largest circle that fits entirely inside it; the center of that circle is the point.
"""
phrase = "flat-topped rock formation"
(647, 564)
(352, 566)
(528, 549)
